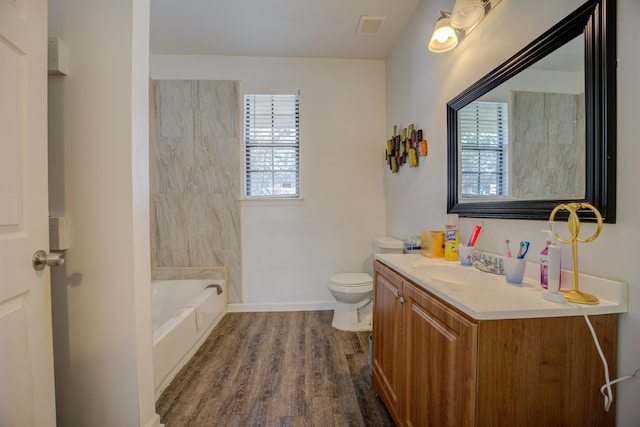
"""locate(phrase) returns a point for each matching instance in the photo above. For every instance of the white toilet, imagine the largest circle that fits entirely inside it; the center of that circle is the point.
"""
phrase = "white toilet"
(354, 291)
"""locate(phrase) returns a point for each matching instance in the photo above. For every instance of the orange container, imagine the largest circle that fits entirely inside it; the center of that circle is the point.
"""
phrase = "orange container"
(432, 244)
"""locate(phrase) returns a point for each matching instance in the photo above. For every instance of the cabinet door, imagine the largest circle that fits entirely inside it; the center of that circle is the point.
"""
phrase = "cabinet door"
(440, 363)
(386, 342)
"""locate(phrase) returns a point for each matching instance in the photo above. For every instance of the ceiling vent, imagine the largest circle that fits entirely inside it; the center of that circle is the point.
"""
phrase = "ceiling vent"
(370, 24)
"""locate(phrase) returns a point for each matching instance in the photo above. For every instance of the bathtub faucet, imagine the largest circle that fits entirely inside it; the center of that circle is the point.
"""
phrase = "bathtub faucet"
(216, 286)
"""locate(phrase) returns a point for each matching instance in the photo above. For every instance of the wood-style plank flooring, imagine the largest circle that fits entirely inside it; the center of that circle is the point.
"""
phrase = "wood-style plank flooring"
(276, 369)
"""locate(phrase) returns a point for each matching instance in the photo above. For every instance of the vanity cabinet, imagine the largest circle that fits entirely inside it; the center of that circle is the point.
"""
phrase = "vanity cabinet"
(436, 366)
(438, 361)
(386, 342)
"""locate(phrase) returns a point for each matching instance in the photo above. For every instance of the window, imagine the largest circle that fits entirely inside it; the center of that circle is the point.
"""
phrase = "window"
(271, 145)
(483, 145)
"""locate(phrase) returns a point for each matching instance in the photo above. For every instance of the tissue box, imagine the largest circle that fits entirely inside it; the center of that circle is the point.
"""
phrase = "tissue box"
(432, 244)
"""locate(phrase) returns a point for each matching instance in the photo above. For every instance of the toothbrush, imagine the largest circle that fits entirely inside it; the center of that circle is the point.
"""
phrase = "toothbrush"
(506, 242)
(474, 235)
(524, 248)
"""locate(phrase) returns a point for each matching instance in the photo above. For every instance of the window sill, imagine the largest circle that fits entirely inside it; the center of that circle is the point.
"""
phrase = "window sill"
(271, 201)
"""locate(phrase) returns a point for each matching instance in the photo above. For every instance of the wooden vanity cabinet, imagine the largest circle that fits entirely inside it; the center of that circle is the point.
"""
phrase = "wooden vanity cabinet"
(439, 354)
(436, 366)
(421, 348)
(386, 348)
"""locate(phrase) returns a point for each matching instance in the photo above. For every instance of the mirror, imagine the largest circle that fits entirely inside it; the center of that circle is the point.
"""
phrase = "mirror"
(524, 139)
(539, 130)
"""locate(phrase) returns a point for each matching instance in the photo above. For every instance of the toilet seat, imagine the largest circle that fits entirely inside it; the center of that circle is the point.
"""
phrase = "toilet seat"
(351, 279)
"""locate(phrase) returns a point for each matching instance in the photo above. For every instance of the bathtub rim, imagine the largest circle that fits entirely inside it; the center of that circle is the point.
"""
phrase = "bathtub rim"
(179, 314)
(183, 315)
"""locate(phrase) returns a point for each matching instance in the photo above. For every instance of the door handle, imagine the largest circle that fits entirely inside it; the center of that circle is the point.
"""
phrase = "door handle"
(41, 259)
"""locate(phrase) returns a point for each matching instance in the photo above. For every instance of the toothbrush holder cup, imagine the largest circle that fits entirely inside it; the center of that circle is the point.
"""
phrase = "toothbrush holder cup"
(514, 270)
(465, 253)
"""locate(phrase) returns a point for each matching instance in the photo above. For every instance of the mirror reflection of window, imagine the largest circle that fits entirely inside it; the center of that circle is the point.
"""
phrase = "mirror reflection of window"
(484, 163)
(542, 152)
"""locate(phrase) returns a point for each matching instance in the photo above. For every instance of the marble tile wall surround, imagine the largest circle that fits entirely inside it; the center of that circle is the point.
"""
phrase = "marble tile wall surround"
(547, 145)
(195, 176)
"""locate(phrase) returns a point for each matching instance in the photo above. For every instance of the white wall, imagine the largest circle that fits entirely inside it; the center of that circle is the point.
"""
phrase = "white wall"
(420, 83)
(290, 249)
(99, 179)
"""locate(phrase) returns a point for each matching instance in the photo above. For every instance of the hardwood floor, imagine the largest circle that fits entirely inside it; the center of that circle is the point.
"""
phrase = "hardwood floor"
(276, 369)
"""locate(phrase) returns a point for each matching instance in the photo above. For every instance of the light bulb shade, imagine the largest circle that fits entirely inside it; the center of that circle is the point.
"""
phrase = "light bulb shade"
(444, 37)
(467, 13)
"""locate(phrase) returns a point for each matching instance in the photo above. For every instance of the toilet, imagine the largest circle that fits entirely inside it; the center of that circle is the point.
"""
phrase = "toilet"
(354, 291)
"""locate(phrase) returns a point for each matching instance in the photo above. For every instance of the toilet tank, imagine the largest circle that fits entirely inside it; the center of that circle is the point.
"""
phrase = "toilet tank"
(387, 245)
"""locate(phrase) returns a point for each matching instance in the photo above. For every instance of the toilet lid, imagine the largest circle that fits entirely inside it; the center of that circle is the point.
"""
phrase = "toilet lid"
(351, 279)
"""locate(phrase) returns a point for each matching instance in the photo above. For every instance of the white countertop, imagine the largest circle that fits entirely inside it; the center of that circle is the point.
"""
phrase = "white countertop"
(486, 296)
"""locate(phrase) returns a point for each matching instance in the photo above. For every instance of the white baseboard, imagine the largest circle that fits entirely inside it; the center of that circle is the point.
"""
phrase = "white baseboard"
(281, 306)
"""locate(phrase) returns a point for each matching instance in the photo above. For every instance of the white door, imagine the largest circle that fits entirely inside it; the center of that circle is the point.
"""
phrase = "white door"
(26, 351)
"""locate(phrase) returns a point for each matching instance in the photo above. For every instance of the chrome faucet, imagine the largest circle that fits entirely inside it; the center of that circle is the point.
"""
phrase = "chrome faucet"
(488, 263)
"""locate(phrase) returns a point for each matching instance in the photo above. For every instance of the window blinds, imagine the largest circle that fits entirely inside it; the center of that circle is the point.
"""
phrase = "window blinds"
(271, 136)
(483, 145)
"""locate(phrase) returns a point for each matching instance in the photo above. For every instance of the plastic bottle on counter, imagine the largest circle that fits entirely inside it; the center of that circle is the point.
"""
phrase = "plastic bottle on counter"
(553, 275)
(544, 262)
(451, 237)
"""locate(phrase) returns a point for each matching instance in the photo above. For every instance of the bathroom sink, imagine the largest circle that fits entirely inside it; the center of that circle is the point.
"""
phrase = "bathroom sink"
(451, 273)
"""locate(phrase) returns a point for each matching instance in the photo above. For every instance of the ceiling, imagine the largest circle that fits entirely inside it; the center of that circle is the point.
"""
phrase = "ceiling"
(300, 28)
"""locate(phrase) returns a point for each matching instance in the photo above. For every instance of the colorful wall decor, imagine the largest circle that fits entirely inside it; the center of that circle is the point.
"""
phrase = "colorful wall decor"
(410, 144)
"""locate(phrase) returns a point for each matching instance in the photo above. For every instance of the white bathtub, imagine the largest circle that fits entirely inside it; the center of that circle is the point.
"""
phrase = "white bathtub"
(184, 313)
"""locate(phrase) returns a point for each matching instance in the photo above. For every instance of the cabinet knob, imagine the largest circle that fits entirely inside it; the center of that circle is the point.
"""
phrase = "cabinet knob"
(401, 300)
(396, 295)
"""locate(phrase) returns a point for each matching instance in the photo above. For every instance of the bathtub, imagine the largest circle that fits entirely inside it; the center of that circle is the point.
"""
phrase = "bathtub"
(184, 313)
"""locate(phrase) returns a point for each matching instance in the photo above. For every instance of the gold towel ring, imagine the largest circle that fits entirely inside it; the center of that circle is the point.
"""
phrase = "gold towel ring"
(575, 295)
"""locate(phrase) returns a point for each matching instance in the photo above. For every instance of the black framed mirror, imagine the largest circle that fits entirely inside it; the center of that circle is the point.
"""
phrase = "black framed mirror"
(586, 161)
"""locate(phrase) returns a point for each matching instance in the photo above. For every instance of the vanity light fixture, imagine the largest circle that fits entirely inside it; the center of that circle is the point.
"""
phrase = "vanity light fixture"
(444, 37)
(452, 27)
(467, 13)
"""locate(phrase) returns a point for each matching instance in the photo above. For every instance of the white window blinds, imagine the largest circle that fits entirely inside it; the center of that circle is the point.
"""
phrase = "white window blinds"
(483, 145)
(271, 141)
